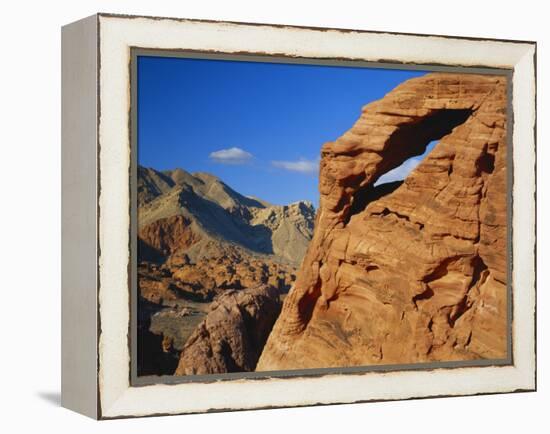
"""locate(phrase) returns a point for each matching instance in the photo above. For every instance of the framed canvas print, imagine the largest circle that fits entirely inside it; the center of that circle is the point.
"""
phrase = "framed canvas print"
(260, 216)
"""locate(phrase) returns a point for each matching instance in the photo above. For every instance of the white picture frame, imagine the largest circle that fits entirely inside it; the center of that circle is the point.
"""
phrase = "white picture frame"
(96, 160)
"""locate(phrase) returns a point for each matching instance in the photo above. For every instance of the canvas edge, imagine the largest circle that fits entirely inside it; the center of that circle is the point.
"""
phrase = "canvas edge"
(528, 383)
(79, 309)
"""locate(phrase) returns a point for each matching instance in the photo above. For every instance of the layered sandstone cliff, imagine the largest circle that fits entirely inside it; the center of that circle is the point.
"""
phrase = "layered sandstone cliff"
(413, 271)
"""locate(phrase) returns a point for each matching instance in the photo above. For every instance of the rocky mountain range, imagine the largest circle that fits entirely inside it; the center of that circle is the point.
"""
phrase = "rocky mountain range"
(207, 213)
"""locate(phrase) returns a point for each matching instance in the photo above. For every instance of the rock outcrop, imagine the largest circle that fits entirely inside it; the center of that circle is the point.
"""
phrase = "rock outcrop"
(202, 280)
(167, 236)
(231, 337)
(414, 271)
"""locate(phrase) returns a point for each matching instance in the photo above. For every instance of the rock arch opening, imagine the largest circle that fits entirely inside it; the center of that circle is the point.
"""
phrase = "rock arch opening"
(402, 171)
(408, 142)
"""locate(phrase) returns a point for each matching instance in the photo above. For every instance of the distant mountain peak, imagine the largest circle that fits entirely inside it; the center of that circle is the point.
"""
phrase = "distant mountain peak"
(205, 176)
(180, 177)
(220, 213)
(305, 203)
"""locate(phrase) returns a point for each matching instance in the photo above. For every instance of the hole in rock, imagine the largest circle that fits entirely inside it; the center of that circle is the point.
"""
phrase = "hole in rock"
(486, 163)
(402, 171)
(360, 201)
(405, 149)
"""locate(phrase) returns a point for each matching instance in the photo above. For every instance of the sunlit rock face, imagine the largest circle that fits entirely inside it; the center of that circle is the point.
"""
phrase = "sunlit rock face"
(231, 337)
(411, 271)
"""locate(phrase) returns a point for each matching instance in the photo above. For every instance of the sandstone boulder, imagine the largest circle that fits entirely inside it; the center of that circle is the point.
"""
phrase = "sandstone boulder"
(231, 337)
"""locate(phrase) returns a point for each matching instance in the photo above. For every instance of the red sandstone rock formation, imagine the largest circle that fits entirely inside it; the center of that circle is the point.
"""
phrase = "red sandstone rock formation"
(231, 337)
(413, 272)
(168, 235)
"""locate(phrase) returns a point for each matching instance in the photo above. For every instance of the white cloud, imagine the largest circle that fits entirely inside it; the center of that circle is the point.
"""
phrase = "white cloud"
(400, 172)
(301, 166)
(231, 156)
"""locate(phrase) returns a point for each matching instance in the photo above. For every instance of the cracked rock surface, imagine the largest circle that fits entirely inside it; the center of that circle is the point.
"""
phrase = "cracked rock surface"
(411, 271)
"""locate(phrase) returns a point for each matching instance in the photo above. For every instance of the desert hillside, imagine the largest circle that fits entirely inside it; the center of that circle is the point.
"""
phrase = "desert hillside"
(197, 240)
(216, 214)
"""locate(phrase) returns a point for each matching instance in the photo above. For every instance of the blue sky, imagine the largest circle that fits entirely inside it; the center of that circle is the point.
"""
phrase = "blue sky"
(257, 126)
(406, 167)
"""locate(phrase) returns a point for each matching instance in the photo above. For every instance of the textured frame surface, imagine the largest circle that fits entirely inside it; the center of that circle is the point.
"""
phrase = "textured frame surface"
(116, 37)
